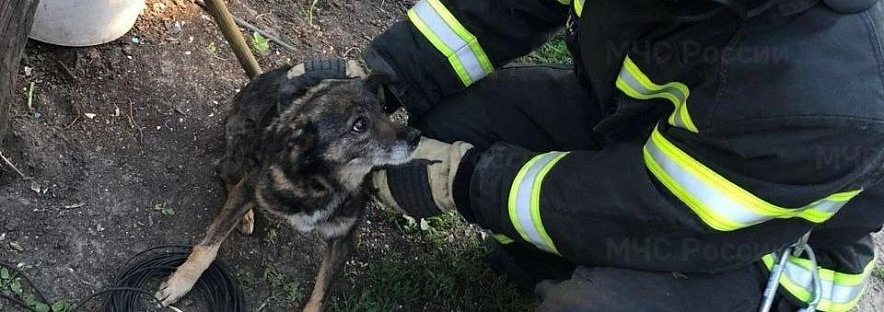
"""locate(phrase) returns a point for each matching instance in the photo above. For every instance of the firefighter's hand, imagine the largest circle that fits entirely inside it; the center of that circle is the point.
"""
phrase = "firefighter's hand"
(422, 188)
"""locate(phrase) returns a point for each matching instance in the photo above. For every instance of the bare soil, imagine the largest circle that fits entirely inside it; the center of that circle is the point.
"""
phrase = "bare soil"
(121, 140)
(118, 133)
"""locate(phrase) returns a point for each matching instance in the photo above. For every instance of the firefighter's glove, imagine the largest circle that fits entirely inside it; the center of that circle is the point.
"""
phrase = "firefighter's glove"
(423, 187)
(302, 77)
(314, 70)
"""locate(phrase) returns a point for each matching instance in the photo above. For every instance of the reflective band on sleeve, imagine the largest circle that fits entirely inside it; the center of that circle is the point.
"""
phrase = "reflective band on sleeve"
(841, 291)
(564, 2)
(637, 85)
(458, 45)
(502, 239)
(720, 203)
(578, 6)
(524, 200)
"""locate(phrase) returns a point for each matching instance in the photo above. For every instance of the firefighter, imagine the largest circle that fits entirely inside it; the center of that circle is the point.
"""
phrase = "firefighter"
(666, 171)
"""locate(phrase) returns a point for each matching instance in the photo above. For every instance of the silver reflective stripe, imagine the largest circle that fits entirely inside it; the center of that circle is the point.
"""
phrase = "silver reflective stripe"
(828, 206)
(837, 294)
(450, 39)
(631, 81)
(721, 204)
(523, 201)
(704, 193)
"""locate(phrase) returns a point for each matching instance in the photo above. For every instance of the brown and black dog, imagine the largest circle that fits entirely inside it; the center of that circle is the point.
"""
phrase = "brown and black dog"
(300, 151)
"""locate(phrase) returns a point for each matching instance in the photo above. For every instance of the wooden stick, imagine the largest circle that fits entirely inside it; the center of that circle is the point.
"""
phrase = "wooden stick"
(242, 23)
(224, 19)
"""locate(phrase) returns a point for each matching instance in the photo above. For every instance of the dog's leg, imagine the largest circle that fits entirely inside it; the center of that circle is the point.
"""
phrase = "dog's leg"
(204, 253)
(247, 223)
(336, 254)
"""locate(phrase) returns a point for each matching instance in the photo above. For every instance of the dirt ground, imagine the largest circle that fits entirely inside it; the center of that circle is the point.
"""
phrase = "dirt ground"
(122, 136)
(121, 141)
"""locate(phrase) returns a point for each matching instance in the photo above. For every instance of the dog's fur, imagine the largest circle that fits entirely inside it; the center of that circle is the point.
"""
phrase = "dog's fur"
(301, 155)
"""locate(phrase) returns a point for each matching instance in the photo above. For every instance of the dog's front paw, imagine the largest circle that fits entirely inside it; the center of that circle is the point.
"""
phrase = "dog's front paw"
(174, 288)
(247, 224)
(313, 307)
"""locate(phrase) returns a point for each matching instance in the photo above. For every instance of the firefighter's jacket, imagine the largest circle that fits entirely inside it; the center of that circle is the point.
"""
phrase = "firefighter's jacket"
(732, 128)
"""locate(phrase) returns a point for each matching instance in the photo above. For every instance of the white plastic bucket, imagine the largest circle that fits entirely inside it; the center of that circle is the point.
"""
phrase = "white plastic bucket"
(80, 23)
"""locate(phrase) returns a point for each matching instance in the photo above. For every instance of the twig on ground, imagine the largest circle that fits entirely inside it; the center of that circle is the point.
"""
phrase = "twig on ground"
(76, 118)
(265, 303)
(133, 124)
(247, 25)
(74, 206)
(31, 97)
(310, 12)
(9, 163)
(66, 69)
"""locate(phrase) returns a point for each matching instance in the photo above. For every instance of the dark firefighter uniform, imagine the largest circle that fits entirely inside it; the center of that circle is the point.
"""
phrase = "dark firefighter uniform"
(697, 137)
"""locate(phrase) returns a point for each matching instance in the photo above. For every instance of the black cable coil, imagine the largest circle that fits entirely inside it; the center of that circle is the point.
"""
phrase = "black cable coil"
(218, 285)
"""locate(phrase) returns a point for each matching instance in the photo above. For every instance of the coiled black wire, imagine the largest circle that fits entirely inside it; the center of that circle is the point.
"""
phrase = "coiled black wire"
(218, 286)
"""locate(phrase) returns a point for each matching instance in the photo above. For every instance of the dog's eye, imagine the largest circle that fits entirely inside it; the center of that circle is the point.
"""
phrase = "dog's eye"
(359, 126)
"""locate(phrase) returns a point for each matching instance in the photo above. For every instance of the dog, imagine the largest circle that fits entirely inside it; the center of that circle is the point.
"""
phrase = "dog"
(300, 151)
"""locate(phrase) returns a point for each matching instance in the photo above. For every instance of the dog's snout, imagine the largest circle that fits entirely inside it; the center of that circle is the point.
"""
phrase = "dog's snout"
(412, 136)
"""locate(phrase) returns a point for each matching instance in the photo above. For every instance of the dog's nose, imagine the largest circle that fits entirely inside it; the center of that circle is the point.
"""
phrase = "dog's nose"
(412, 136)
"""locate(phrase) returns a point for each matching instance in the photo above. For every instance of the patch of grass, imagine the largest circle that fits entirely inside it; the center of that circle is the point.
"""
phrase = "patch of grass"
(292, 292)
(272, 236)
(164, 209)
(878, 272)
(11, 285)
(449, 275)
(211, 49)
(555, 51)
(282, 290)
(260, 44)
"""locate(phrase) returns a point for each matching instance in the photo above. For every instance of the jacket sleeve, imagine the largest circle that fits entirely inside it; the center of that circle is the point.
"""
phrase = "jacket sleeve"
(446, 45)
(681, 201)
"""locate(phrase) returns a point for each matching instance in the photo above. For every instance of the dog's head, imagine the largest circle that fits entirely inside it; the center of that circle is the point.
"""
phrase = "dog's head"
(340, 125)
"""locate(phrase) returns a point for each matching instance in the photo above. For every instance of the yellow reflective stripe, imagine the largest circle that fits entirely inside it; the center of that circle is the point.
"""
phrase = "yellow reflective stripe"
(464, 34)
(841, 291)
(718, 202)
(844, 279)
(502, 239)
(524, 200)
(439, 45)
(708, 217)
(578, 7)
(535, 201)
(564, 2)
(633, 82)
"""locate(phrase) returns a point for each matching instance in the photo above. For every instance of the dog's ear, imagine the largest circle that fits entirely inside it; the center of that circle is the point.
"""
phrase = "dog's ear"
(375, 83)
(290, 89)
(301, 136)
(305, 138)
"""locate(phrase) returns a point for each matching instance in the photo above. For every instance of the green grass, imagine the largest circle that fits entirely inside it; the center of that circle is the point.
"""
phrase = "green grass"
(164, 209)
(555, 51)
(211, 49)
(878, 272)
(260, 44)
(448, 274)
(11, 285)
